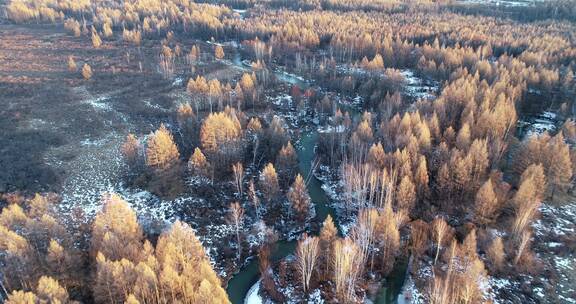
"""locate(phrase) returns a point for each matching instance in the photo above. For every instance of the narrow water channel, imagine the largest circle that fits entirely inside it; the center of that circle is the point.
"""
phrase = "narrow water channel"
(241, 283)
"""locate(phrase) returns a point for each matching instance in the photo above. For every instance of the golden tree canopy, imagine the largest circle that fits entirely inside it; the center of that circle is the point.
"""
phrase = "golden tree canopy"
(86, 71)
(161, 151)
(218, 129)
(115, 230)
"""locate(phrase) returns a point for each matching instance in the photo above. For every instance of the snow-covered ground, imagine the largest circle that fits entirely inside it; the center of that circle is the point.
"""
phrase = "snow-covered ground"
(416, 87)
(410, 294)
(538, 124)
(552, 233)
(507, 3)
(252, 297)
(557, 225)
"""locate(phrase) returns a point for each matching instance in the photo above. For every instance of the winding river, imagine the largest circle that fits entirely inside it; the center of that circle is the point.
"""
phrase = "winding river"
(242, 282)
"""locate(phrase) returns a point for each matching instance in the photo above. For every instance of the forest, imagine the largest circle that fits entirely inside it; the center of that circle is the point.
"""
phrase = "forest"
(287, 151)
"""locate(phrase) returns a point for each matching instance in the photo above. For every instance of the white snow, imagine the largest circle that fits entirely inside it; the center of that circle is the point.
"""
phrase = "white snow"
(410, 293)
(252, 297)
(416, 87)
(178, 81)
(331, 129)
(505, 3)
(543, 122)
(99, 103)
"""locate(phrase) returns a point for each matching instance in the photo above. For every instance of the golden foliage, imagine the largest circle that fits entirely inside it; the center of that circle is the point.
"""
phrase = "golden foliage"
(269, 182)
(86, 71)
(299, 198)
(115, 231)
(161, 151)
(218, 130)
(219, 52)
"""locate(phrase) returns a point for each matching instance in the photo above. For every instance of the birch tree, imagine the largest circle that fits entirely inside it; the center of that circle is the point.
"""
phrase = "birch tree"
(236, 218)
(307, 252)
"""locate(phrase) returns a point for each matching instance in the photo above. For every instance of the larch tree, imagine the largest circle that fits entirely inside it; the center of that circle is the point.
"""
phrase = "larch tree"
(219, 52)
(198, 164)
(559, 171)
(86, 71)
(444, 182)
(419, 231)
(50, 291)
(115, 230)
(328, 234)
(535, 172)
(96, 40)
(27, 239)
(478, 157)
(388, 237)
(163, 160)
(287, 162)
(161, 151)
(131, 299)
(496, 254)
(194, 55)
(247, 83)
(130, 149)
(219, 136)
(421, 177)
(17, 255)
(107, 30)
(72, 67)
(470, 282)
(299, 198)
(377, 156)
(254, 125)
(269, 182)
(214, 92)
(406, 194)
(47, 291)
(486, 203)
(307, 252)
(185, 270)
(463, 138)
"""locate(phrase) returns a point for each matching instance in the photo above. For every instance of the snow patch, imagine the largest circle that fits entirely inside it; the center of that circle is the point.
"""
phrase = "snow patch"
(252, 297)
